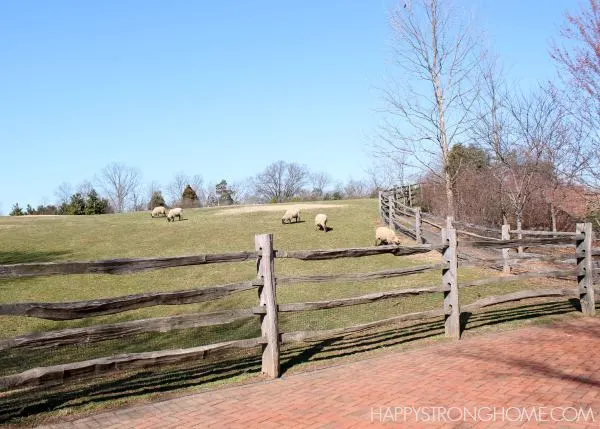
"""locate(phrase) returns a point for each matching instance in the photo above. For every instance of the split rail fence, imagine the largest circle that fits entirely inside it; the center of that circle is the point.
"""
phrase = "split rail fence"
(267, 309)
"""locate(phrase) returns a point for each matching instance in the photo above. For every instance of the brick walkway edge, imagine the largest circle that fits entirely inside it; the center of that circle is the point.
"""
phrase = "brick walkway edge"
(536, 376)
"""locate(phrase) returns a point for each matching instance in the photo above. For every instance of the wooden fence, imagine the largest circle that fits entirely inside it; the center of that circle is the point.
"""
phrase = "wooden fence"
(267, 309)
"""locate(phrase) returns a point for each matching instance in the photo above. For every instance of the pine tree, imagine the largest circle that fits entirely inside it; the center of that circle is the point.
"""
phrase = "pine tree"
(16, 210)
(189, 198)
(94, 204)
(156, 200)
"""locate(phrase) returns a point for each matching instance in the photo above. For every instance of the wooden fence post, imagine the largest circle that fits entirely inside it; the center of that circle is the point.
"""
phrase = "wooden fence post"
(418, 225)
(380, 205)
(450, 284)
(449, 222)
(409, 196)
(585, 275)
(505, 251)
(391, 211)
(267, 294)
(520, 237)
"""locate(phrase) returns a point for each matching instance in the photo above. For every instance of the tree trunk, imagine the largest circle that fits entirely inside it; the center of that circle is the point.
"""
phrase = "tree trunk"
(553, 216)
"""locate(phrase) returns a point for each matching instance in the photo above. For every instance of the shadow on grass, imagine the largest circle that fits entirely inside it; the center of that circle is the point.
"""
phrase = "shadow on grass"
(16, 257)
(27, 405)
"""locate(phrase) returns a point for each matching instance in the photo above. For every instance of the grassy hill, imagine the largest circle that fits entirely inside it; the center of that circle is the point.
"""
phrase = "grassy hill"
(212, 230)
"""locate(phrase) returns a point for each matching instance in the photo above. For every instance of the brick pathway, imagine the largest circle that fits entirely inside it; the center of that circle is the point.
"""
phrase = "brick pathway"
(535, 369)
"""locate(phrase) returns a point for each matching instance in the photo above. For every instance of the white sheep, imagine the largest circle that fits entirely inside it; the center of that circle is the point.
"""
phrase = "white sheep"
(384, 235)
(178, 211)
(160, 210)
(293, 213)
(321, 222)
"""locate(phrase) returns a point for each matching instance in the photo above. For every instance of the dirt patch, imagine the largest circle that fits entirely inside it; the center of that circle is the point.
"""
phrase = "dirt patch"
(273, 208)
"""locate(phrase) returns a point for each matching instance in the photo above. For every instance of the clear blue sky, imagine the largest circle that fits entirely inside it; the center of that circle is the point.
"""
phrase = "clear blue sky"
(217, 88)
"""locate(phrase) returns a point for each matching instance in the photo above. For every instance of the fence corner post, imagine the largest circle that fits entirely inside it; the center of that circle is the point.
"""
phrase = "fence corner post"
(585, 273)
(450, 284)
(268, 298)
(505, 251)
(418, 225)
(391, 211)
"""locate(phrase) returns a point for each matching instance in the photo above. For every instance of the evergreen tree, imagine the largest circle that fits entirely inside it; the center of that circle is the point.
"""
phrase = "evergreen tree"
(156, 200)
(77, 205)
(16, 210)
(224, 193)
(94, 204)
(189, 198)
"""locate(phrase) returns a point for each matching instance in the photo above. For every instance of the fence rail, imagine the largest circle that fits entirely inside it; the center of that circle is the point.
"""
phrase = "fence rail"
(268, 309)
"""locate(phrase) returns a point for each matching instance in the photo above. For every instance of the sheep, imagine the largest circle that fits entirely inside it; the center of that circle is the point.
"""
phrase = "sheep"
(160, 210)
(178, 211)
(293, 213)
(321, 222)
(384, 235)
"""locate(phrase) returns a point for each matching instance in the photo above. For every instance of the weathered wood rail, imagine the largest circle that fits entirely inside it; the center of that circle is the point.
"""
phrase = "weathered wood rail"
(268, 309)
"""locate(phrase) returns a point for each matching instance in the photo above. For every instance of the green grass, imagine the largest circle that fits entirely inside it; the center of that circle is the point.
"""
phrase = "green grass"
(214, 230)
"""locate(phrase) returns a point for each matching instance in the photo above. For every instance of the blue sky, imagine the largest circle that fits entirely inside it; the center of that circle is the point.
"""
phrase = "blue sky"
(217, 88)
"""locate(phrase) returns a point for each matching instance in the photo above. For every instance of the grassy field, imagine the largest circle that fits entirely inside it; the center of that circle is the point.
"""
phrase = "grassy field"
(213, 230)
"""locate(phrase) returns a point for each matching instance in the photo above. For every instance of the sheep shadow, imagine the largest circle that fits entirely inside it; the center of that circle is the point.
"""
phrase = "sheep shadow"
(292, 223)
(327, 229)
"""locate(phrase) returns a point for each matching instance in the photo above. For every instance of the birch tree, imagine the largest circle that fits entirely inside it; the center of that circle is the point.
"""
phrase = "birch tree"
(429, 103)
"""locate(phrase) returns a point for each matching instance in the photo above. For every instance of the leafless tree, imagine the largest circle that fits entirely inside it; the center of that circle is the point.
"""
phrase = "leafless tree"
(137, 198)
(63, 193)
(386, 173)
(176, 186)
(242, 191)
(280, 181)
(579, 68)
(356, 189)
(197, 184)
(119, 182)
(84, 188)
(430, 102)
(529, 141)
(319, 181)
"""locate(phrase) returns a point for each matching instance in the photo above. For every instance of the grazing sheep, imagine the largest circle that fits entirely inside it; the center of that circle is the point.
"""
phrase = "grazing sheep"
(293, 213)
(178, 211)
(384, 235)
(160, 210)
(321, 222)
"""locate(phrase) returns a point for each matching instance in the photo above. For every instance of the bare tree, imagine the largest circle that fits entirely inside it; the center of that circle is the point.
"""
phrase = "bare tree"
(84, 188)
(63, 193)
(119, 182)
(137, 198)
(176, 186)
(386, 173)
(197, 184)
(242, 191)
(579, 68)
(319, 181)
(280, 181)
(531, 147)
(356, 189)
(430, 102)
(580, 62)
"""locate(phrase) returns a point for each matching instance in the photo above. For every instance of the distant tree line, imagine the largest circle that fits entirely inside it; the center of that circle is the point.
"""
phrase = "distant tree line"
(89, 204)
(122, 190)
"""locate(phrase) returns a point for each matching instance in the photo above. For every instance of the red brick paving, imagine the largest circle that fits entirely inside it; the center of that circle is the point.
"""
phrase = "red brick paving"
(548, 366)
